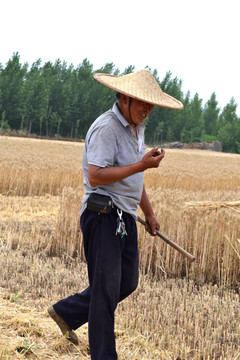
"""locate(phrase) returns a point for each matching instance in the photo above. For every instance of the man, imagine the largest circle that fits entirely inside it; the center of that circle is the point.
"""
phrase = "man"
(114, 162)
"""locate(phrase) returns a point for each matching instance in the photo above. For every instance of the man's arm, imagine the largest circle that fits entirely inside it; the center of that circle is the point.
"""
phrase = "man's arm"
(149, 214)
(101, 176)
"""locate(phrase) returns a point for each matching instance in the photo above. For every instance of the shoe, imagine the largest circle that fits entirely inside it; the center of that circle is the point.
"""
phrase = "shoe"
(65, 329)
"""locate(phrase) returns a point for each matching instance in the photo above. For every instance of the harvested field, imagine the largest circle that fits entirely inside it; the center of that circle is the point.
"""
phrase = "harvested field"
(181, 310)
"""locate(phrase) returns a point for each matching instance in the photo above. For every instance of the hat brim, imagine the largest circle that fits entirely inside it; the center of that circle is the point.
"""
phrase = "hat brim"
(141, 86)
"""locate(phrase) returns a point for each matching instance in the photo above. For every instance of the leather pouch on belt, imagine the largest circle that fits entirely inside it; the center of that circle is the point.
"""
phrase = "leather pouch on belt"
(99, 203)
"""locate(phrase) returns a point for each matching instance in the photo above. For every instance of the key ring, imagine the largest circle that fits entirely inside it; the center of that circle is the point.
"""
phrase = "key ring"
(119, 212)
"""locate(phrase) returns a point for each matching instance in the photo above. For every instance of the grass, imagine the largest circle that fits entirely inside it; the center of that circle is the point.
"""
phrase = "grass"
(180, 311)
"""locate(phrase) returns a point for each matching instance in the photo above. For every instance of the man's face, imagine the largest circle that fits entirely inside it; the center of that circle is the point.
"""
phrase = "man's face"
(139, 111)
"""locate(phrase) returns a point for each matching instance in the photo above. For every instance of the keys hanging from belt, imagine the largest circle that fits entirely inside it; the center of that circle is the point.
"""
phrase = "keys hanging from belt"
(121, 229)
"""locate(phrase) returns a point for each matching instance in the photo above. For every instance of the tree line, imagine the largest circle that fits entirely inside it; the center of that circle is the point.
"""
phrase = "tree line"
(55, 99)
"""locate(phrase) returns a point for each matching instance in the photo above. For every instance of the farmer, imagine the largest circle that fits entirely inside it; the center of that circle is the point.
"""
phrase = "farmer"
(114, 162)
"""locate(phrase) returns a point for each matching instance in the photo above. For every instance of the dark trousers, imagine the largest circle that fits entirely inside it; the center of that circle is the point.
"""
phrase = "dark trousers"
(113, 275)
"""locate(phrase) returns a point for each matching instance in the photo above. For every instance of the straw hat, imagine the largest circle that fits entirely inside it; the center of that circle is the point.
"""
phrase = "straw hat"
(140, 85)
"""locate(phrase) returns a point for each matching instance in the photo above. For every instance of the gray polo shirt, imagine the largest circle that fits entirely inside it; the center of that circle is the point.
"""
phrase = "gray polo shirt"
(110, 141)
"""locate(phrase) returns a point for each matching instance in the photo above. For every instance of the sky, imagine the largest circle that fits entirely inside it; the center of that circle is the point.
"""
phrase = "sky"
(197, 41)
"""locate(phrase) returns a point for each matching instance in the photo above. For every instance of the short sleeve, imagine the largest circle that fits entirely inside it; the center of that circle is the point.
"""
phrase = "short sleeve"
(102, 147)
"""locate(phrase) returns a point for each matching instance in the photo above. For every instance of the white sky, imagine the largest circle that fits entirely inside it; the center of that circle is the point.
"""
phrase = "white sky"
(198, 41)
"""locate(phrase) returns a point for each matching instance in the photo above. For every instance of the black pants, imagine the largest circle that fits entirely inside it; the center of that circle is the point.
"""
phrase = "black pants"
(113, 275)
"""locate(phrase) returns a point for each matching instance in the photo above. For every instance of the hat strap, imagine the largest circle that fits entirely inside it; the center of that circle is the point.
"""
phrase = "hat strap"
(129, 112)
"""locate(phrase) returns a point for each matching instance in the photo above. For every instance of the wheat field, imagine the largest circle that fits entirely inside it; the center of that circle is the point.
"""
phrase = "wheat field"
(181, 310)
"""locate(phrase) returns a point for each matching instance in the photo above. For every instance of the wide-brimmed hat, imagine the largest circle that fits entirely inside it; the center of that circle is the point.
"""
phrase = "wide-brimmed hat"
(140, 85)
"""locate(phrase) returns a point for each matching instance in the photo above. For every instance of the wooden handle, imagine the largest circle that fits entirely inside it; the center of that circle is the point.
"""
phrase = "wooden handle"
(168, 241)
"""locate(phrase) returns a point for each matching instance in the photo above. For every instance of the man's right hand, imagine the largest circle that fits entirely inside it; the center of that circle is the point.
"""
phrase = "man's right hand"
(152, 158)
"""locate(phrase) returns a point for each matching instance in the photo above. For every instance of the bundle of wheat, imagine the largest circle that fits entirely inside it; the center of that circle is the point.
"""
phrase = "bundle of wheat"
(214, 205)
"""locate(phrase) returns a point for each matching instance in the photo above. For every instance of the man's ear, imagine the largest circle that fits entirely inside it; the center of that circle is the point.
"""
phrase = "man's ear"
(124, 99)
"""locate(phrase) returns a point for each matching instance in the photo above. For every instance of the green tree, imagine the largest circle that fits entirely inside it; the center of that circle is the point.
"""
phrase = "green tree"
(128, 70)
(210, 115)
(54, 79)
(192, 124)
(4, 127)
(229, 128)
(57, 82)
(60, 99)
(35, 99)
(186, 124)
(55, 122)
(13, 76)
(159, 131)
(226, 137)
(101, 97)
(170, 119)
(196, 126)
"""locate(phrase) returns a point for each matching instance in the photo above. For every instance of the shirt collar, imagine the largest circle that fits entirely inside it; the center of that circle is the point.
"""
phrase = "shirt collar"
(118, 114)
(124, 122)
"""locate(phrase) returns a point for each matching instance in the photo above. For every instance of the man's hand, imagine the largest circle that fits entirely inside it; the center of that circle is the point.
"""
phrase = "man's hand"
(154, 225)
(152, 158)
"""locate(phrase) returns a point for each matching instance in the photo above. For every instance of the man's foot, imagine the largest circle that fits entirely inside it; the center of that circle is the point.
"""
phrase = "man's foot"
(65, 329)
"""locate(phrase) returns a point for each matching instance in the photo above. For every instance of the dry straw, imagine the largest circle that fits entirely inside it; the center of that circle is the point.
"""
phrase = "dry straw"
(42, 261)
(214, 205)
